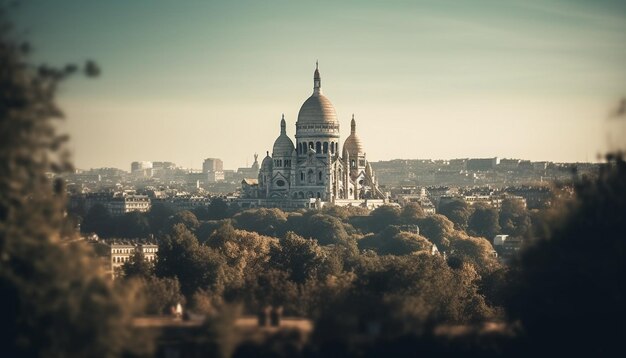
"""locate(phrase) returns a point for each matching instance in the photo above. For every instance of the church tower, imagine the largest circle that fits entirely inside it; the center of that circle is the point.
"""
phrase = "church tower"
(317, 143)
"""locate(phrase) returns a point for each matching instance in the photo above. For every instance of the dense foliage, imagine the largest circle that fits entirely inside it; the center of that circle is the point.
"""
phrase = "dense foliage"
(56, 301)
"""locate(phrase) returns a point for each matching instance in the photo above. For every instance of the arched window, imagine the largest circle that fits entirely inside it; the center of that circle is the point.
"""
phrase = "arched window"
(311, 145)
(318, 147)
(352, 163)
(302, 176)
(325, 147)
(311, 176)
(332, 147)
(319, 176)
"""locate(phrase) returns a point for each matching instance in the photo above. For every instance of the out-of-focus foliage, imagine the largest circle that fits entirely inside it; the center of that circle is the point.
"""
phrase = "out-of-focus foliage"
(568, 288)
(394, 295)
(55, 298)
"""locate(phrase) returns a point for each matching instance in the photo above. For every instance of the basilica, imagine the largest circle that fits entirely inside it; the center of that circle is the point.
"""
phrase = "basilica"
(317, 170)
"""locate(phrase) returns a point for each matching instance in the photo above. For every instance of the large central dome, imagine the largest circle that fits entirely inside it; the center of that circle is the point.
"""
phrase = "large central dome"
(317, 109)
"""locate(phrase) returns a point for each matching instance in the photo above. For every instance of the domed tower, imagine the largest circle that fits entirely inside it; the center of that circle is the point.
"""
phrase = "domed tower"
(317, 127)
(353, 148)
(281, 154)
(354, 159)
(265, 176)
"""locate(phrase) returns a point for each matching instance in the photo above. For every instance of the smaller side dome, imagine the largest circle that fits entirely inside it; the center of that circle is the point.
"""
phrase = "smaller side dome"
(283, 146)
(267, 162)
(353, 144)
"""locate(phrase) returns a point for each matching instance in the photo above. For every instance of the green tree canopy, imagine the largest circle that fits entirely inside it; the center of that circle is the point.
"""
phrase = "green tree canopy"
(99, 221)
(158, 217)
(392, 241)
(270, 222)
(324, 228)
(484, 222)
(302, 258)
(184, 217)
(568, 286)
(137, 266)
(458, 211)
(437, 229)
(217, 209)
(382, 217)
(56, 300)
(132, 225)
(412, 213)
(196, 266)
(514, 218)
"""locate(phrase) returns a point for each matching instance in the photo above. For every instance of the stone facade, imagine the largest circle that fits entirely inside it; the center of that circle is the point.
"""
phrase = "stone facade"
(314, 171)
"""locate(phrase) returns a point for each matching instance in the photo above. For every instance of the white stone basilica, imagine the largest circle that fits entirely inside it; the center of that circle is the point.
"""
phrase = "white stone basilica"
(314, 171)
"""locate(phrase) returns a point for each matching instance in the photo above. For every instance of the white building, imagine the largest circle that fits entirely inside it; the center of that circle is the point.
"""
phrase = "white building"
(314, 171)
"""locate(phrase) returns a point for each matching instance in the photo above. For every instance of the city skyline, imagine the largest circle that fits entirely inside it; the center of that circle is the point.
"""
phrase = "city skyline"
(432, 80)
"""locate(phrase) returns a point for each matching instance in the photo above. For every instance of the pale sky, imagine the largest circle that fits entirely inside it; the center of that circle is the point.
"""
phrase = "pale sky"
(187, 80)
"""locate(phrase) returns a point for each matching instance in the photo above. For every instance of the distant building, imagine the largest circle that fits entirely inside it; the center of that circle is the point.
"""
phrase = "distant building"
(212, 165)
(127, 203)
(482, 164)
(121, 252)
(251, 172)
(507, 247)
(141, 169)
(314, 171)
(509, 164)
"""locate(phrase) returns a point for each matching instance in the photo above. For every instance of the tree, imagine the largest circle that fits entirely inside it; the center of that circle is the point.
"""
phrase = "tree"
(158, 217)
(402, 295)
(568, 286)
(270, 222)
(382, 217)
(476, 251)
(196, 266)
(133, 225)
(344, 212)
(247, 253)
(514, 218)
(137, 266)
(301, 257)
(457, 211)
(411, 213)
(186, 218)
(437, 229)
(484, 222)
(392, 241)
(161, 294)
(99, 220)
(55, 298)
(325, 229)
(218, 209)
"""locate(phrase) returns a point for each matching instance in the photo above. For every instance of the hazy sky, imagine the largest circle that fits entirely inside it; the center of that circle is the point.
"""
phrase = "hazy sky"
(186, 80)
